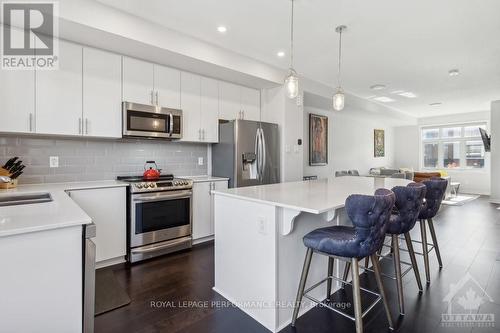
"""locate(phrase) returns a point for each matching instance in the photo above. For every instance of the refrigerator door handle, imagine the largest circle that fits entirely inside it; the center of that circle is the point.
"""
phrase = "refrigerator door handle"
(264, 152)
(257, 152)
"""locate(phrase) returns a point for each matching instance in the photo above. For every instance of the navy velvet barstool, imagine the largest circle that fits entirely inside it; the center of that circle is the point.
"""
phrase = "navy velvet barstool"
(370, 216)
(409, 201)
(436, 189)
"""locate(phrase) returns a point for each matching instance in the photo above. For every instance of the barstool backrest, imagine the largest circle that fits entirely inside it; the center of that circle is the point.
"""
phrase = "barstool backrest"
(370, 215)
(436, 189)
(409, 201)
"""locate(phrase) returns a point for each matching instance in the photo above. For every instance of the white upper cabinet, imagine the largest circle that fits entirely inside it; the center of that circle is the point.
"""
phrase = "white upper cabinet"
(190, 104)
(102, 93)
(250, 103)
(138, 81)
(230, 101)
(167, 86)
(209, 110)
(238, 102)
(17, 100)
(59, 94)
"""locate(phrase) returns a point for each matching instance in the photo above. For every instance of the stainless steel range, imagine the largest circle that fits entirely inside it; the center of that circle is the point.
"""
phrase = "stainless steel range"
(159, 216)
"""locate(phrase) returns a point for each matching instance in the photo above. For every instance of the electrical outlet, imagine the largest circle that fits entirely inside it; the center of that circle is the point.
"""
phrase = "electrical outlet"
(54, 161)
(262, 225)
(200, 160)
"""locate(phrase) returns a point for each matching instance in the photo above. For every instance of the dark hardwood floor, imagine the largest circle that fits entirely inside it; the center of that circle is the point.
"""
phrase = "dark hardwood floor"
(469, 237)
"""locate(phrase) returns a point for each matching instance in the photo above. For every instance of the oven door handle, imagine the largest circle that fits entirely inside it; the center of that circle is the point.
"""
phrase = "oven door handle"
(163, 197)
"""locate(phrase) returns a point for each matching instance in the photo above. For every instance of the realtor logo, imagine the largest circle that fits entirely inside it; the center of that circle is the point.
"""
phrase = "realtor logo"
(28, 32)
(464, 305)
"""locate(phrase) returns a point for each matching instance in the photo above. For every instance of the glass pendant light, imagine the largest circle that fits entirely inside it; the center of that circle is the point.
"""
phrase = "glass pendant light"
(339, 97)
(291, 80)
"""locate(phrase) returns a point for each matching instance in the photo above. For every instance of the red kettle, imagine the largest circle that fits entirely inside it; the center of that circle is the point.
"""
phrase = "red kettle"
(151, 173)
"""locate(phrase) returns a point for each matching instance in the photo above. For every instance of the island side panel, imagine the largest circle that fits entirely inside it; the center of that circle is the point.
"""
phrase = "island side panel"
(41, 275)
(245, 256)
(291, 254)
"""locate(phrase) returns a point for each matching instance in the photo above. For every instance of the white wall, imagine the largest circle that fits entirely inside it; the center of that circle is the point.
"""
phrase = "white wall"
(277, 108)
(408, 150)
(495, 151)
(350, 142)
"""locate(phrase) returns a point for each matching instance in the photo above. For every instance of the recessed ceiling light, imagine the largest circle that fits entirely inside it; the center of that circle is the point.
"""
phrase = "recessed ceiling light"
(378, 87)
(453, 72)
(383, 99)
(280, 54)
(407, 94)
(222, 29)
(435, 104)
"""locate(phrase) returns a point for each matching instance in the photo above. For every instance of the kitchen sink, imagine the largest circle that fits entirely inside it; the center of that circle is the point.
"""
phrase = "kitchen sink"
(24, 199)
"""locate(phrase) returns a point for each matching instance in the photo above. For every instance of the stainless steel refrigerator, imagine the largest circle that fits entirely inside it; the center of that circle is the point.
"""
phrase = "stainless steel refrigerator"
(248, 153)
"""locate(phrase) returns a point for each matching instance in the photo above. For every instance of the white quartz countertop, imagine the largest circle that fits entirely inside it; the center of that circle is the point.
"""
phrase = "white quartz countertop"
(313, 196)
(61, 212)
(199, 179)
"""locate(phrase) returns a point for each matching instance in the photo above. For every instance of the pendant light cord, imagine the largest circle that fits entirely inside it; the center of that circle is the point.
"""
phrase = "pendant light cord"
(340, 55)
(291, 38)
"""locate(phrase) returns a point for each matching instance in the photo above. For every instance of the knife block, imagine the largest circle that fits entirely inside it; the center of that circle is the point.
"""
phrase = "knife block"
(11, 184)
(4, 172)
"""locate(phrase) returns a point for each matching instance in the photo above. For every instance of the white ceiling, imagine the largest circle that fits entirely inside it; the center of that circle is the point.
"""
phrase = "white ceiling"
(405, 45)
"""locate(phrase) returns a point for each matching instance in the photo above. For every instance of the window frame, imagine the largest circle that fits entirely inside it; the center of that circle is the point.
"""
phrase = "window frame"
(462, 140)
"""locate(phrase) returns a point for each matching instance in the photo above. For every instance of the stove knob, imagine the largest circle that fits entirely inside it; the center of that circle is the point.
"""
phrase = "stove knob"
(176, 183)
(185, 182)
(152, 185)
(138, 186)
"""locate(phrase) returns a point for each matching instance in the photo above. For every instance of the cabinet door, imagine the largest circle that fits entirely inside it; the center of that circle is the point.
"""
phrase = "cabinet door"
(17, 99)
(210, 109)
(218, 185)
(59, 94)
(167, 84)
(230, 101)
(250, 103)
(107, 209)
(190, 103)
(102, 93)
(201, 210)
(138, 78)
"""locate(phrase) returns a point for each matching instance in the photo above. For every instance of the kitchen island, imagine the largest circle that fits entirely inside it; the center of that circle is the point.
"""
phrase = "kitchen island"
(258, 241)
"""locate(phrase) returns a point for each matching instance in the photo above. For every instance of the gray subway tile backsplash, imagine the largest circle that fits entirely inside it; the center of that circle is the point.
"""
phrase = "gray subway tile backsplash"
(90, 159)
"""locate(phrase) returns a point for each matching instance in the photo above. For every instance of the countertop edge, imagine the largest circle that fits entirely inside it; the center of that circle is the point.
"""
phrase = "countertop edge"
(277, 204)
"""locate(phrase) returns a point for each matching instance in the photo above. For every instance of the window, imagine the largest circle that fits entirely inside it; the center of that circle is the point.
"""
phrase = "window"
(453, 147)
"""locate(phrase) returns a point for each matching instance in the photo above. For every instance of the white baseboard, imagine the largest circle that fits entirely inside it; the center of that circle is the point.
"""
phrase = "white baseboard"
(109, 262)
(203, 240)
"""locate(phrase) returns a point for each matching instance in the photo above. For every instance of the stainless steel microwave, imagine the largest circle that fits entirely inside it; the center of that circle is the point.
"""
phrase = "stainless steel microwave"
(148, 121)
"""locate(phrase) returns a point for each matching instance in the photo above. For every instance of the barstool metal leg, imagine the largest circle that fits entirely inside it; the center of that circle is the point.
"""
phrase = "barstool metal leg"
(378, 277)
(302, 284)
(425, 251)
(367, 263)
(435, 242)
(329, 281)
(356, 291)
(346, 273)
(413, 259)
(397, 270)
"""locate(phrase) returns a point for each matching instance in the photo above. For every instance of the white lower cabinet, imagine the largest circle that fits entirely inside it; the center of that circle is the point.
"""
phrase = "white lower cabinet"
(203, 220)
(108, 210)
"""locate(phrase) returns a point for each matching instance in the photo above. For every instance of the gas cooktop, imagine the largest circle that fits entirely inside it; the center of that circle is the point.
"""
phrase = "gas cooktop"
(165, 183)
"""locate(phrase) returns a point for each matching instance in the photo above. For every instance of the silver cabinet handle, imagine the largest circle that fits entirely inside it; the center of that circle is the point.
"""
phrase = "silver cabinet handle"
(31, 122)
(157, 99)
(203, 131)
(80, 126)
(199, 134)
(152, 98)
